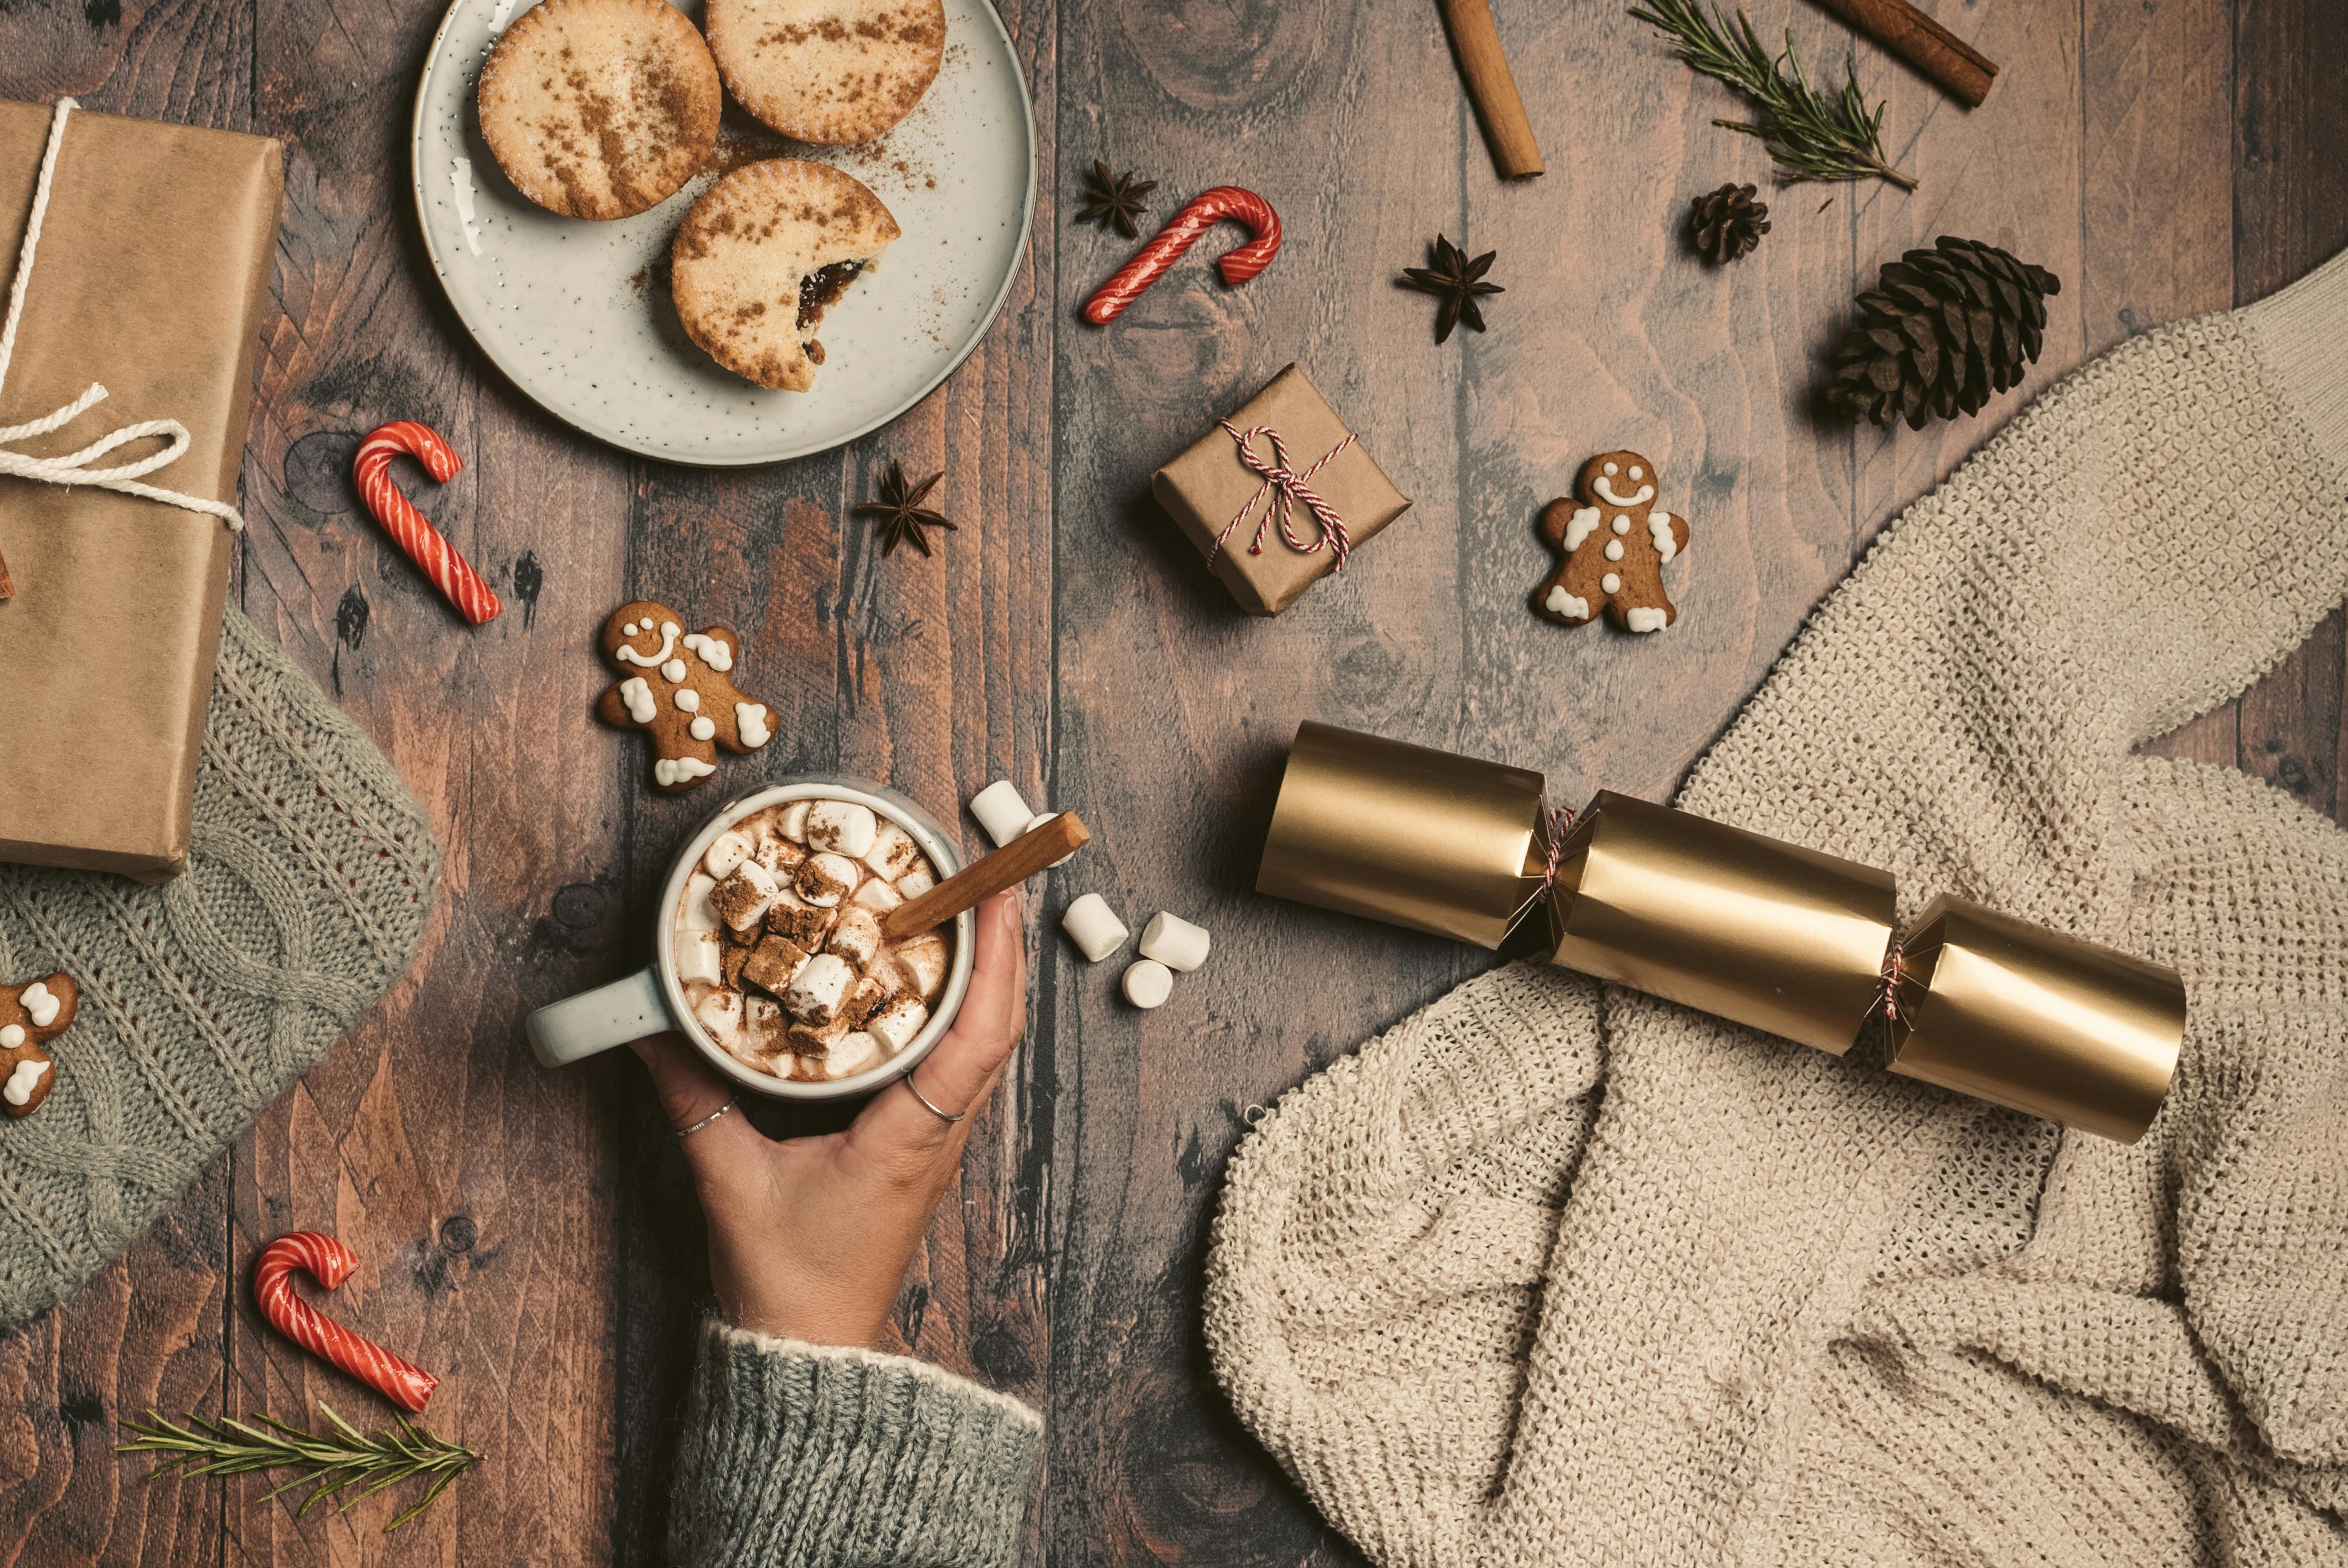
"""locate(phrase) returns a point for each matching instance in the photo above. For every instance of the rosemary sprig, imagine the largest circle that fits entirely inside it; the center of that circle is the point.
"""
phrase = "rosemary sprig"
(1811, 135)
(327, 1464)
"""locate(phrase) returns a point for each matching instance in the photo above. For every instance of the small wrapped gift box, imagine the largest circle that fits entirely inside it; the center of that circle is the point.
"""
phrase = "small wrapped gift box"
(1278, 495)
(1772, 935)
(149, 277)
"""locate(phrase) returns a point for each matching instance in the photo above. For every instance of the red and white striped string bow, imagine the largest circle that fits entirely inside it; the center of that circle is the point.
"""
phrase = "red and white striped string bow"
(1282, 487)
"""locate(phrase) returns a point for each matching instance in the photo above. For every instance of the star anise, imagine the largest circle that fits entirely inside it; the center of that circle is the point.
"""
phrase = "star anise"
(1457, 280)
(1114, 200)
(902, 516)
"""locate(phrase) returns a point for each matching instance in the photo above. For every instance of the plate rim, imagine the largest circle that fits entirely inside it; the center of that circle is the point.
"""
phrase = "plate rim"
(634, 448)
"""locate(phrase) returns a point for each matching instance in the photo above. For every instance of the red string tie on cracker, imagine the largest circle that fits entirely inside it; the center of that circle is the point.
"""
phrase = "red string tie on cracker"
(422, 543)
(1895, 974)
(330, 1262)
(1282, 488)
(1149, 263)
(1560, 822)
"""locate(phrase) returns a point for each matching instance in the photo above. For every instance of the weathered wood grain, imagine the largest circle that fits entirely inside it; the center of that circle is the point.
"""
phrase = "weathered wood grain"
(532, 1235)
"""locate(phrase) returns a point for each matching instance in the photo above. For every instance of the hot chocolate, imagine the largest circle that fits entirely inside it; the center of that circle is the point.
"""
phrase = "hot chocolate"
(779, 945)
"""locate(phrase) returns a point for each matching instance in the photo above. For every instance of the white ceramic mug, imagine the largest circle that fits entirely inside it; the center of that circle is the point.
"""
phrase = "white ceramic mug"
(651, 999)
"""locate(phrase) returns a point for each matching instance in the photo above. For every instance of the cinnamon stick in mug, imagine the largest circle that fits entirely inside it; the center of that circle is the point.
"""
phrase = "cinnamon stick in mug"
(1048, 844)
(1965, 71)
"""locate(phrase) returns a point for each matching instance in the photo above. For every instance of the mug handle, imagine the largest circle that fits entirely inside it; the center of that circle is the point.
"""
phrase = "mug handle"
(578, 1027)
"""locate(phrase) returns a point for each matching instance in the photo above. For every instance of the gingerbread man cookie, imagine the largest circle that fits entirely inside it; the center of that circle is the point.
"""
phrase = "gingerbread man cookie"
(1615, 541)
(31, 1016)
(677, 687)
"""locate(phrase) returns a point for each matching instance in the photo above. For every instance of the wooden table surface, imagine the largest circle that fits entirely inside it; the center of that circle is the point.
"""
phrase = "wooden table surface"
(529, 1233)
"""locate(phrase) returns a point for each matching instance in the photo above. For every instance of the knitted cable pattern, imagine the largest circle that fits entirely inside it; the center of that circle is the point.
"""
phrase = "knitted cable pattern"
(310, 877)
(1554, 1273)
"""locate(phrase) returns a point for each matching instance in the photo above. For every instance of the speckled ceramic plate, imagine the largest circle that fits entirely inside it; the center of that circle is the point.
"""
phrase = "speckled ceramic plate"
(578, 313)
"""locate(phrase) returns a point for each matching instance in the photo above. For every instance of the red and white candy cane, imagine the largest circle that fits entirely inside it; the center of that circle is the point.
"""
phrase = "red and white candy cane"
(450, 572)
(1150, 263)
(330, 1262)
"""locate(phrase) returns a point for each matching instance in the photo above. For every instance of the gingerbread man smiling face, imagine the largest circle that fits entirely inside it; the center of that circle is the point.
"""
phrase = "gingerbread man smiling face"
(1614, 540)
(677, 687)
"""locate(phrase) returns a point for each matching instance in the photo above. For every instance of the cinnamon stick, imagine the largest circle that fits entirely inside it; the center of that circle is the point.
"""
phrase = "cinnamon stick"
(1962, 70)
(7, 583)
(1016, 861)
(1492, 87)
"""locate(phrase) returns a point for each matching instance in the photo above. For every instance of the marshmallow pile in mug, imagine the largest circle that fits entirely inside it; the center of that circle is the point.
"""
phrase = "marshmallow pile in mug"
(778, 943)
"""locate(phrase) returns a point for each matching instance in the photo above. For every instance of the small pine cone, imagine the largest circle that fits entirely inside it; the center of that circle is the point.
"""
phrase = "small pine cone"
(1942, 332)
(1728, 223)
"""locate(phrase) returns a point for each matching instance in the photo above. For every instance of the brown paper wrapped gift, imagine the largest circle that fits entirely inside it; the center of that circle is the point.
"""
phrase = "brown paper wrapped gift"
(1769, 933)
(1233, 512)
(152, 267)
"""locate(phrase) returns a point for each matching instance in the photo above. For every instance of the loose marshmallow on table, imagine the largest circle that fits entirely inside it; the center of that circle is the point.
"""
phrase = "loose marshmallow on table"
(726, 852)
(1001, 811)
(1094, 927)
(841, 826)
(1147, 982)
(816, 992)
(825, 879)
(896, 1022)
(1174, 942)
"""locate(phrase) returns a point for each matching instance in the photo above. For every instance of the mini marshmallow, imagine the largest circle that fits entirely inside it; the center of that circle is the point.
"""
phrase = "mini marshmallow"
(696, 914)
(1094, 927)
(1147, 982)
(893, 852)
(877, 896)
(777, 853)
(1174, 942)
(815, 1039)
(774, 964)
(1001, 811)
(720, 1013)
(697, 954)
(852, 1054)
(791, 820)
(823, 880)
(1039, 822)
(882, 971)
(793, 917)
(816, 992)
(856, 936)
(923, 961)
(762, 1024)
(726, 852)
(744, 895)
(914, 884)
(897, 1020)
(841, 826)
(861, 1002)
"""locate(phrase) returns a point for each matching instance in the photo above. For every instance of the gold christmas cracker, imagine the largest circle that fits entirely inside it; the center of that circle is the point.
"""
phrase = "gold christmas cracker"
(1783, 939)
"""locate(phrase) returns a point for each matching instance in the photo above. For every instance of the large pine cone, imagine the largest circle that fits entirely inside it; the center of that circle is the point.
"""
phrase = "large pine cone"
(1728, 223)
(1942, 332)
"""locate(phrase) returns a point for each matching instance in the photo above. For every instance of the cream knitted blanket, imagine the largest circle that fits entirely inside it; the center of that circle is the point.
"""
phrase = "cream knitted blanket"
(1558, 1274)
(310, 878)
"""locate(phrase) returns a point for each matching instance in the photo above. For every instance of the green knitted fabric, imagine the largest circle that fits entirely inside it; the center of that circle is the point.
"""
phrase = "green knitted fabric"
(824, 1458)
(310, 875)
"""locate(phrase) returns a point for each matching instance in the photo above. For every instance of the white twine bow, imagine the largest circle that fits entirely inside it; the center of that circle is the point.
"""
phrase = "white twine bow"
(80, 468)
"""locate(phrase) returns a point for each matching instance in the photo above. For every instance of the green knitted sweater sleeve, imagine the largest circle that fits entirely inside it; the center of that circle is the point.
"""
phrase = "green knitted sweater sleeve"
(818, 1457)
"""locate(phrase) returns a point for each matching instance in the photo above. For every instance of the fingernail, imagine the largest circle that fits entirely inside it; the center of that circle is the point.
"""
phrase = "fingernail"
(1011, 910)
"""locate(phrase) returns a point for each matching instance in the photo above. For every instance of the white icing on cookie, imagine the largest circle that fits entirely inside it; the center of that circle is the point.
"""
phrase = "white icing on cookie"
(673, 670)
(1637, 473)
(40, 1004)
(750, 724)
(1614, 550)
(1611, 469)
(678, 770)
(627, 655)
(1584, 519)
(12, 1035)
(689, 701)
(1644, 494)
(701, 728)
(1659, 524)
(642, 706)
(712, 650)
(23, 1081)
(1621, 525)
(1560, 603)
(1646, 619)
(1610, 583)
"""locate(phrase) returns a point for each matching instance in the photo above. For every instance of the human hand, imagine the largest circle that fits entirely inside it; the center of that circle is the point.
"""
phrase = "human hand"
(809, 1238)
